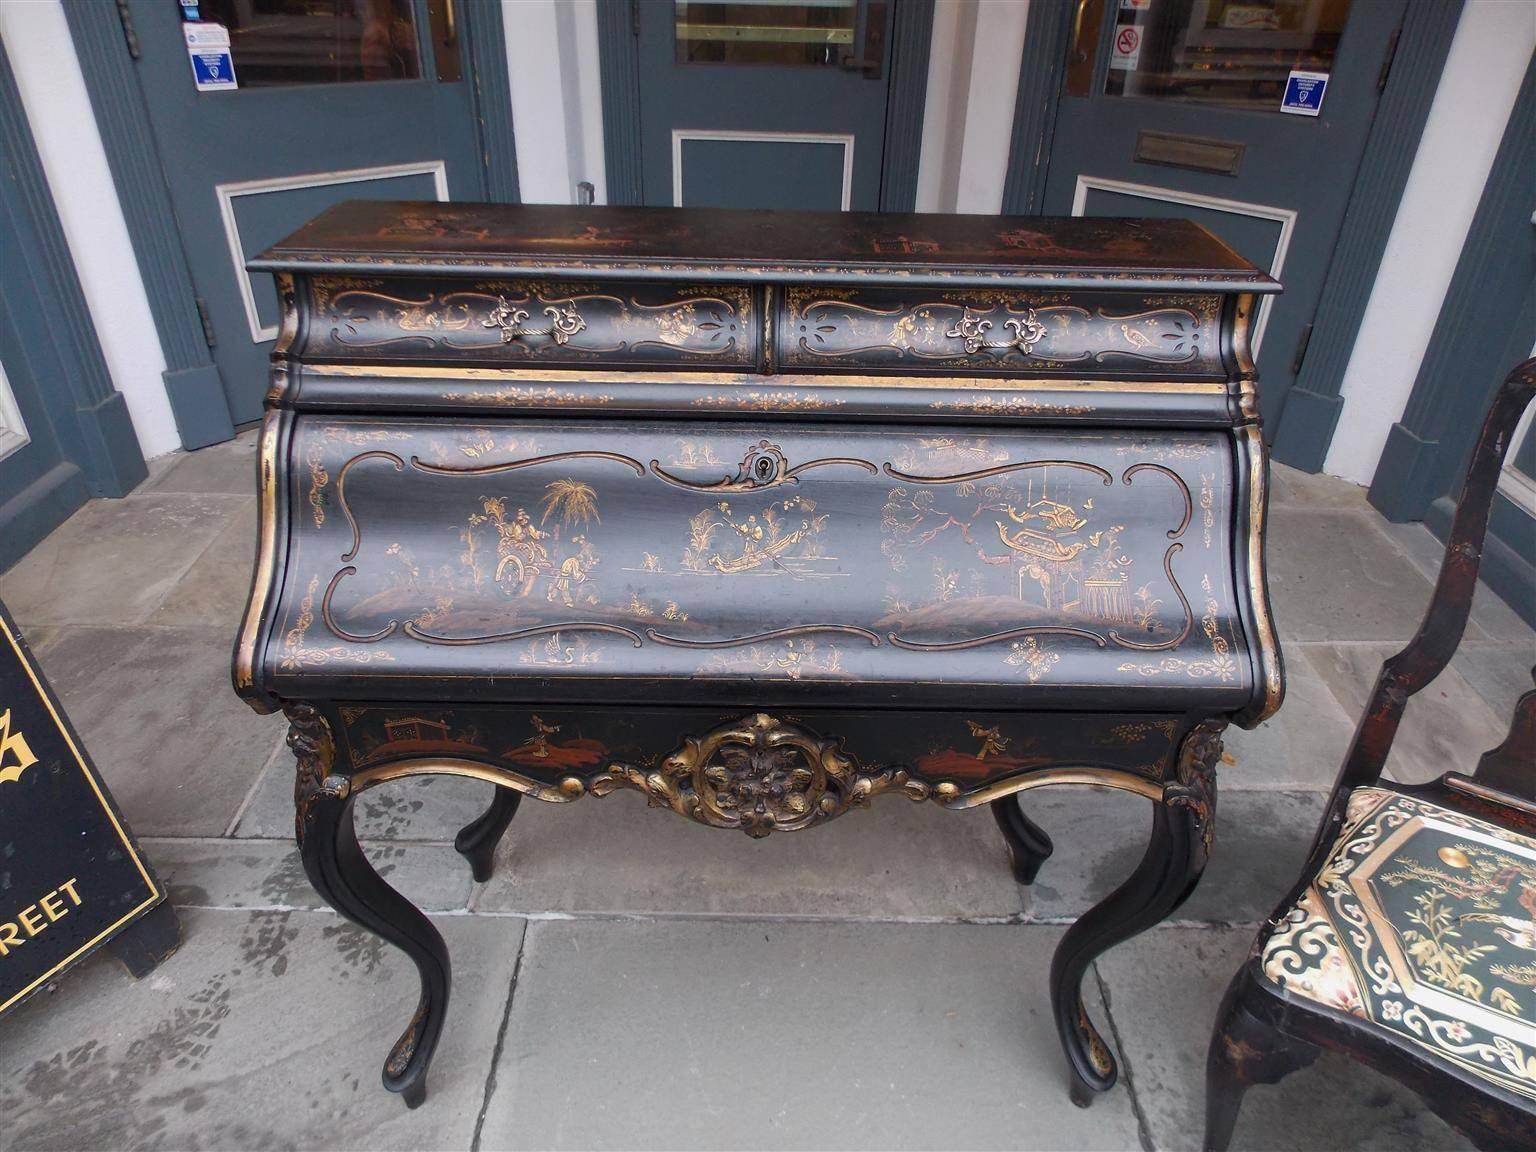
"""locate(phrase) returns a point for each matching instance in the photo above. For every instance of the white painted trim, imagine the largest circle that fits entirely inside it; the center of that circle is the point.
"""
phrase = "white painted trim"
(974, 60)
(226, 193)
(13, 429)
(1473, 99)
(681, 134)
(37, 40)
(557, 97)
(1285, 217)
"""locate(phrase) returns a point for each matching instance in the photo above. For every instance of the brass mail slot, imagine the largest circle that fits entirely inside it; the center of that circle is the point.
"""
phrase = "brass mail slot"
(1197, 152)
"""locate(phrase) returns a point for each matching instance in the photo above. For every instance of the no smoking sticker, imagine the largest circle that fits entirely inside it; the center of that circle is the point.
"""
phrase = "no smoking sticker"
(1127, 52)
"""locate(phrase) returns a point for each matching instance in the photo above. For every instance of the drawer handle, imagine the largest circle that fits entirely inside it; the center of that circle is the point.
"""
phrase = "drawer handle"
(565, 322)
(972, 330)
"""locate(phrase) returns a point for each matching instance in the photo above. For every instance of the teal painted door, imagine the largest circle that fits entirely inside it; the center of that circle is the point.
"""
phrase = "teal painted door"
(1174, 108)
(336, 100)
(39, 485)
(763, 105)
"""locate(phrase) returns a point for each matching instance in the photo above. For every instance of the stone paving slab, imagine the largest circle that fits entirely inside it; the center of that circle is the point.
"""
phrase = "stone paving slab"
(1290, 487)
(214, 590)
(1446, 727)
(268, 874)
(724, 1035)
(896, 859)
(423, 808)
(1100, 836)
(1302, 745)
(1499, 673)
(229, 467)
(1333, 576)
(1492, 618)
(114, 561)
(1164, 987)
(154, 707)
(266, 1030)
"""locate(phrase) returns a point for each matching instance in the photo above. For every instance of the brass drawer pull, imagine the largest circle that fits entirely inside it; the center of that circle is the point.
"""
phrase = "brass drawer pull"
(972, 330)
(565, 322)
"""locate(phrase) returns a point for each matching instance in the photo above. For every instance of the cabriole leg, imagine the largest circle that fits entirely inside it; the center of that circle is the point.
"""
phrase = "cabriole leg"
(1182, 827)
(1244, 1051)
(477, 840)
(1028, 845)
(342, 876)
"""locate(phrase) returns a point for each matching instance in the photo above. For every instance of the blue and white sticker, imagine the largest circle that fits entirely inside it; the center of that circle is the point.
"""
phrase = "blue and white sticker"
(213, 68)
(1304, 93)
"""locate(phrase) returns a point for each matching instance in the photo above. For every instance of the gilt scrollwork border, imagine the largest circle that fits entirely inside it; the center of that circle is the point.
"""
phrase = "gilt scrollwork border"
(763, 466)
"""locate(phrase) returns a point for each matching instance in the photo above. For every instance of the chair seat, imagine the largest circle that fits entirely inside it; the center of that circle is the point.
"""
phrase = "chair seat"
(1423, 922)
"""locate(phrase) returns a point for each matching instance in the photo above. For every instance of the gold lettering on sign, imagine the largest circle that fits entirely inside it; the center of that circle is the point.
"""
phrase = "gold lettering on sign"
(34, 919)
(13, 746)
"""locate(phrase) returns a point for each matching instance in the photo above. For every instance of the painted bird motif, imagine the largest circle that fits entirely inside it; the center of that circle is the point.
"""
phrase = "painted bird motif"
(1520, 933)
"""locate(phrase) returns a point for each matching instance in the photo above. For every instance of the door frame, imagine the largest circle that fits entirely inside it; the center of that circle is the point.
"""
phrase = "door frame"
(86, 415)
(1312, 406)
(618, 43)
(1486, 325)
(107, 47)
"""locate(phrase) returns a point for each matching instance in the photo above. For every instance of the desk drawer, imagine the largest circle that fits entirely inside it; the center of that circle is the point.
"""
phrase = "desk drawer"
(529, 322)
(978, 330)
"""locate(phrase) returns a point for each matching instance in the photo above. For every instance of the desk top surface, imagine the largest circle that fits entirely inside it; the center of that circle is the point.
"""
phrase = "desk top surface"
(784, 246)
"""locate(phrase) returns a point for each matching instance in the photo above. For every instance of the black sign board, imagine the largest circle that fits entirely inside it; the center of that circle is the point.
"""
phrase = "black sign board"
(71, 877)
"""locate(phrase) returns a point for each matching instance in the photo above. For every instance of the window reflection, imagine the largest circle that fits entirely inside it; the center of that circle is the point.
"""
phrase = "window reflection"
(1233, 52)
(819, 32)
(318, 41)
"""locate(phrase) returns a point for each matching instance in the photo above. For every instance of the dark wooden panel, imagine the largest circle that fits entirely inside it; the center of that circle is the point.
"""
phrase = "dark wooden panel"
(786, 246)
(443, 558)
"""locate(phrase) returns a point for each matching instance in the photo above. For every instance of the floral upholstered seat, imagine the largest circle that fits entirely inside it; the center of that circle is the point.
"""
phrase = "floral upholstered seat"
(1423, 921)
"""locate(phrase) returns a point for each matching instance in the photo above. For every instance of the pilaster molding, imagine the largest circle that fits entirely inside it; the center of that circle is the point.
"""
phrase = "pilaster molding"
(44, 293)
(487, 46)
(911, 43)
(618, 44)
(1312, 406)
(129, 143)
(1046, 38)
(1489, 307)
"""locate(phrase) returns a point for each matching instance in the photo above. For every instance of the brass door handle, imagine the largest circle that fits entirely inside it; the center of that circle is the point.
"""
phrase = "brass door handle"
(972, 330)
(565, 322)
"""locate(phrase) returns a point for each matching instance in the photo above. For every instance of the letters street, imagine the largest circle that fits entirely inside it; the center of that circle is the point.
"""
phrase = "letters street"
(35, 918)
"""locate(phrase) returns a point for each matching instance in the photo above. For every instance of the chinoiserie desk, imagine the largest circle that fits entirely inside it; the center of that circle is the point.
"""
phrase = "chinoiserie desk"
(762, 515)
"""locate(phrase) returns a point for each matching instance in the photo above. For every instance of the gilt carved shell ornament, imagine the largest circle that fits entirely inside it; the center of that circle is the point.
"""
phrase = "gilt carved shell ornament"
(761, 775)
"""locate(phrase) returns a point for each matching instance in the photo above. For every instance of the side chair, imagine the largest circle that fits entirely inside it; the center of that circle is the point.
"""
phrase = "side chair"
(1410, 940)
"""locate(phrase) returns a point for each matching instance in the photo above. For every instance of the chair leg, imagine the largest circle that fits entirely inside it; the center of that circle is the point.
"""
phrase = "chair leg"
(1244, 1051)
(1028, 845)
(477, 840)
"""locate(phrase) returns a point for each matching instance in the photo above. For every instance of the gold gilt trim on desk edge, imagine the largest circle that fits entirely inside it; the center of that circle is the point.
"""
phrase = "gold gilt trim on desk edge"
(817, 380)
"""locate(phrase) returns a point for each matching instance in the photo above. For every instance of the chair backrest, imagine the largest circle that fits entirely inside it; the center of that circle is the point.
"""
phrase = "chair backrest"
(1427, 654)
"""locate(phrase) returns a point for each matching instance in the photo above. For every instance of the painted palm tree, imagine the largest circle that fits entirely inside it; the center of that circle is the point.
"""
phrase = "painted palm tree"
(570, 500)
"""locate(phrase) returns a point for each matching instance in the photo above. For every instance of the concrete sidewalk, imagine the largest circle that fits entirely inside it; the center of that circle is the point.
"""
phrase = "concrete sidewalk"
(629, 980)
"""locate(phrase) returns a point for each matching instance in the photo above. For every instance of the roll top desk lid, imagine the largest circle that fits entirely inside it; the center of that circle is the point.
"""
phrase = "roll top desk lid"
(754, 458)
